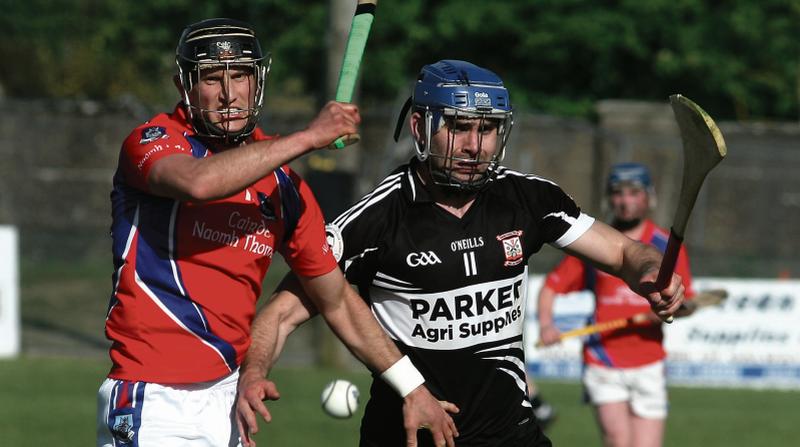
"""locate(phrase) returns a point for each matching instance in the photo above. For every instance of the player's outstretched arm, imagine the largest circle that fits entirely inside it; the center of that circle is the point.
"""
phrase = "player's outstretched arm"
(634, 262)
(184, 177)
(271, 326)
(351, 319)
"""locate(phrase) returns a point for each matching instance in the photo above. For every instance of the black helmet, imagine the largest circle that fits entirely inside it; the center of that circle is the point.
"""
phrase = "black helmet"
(220, 42)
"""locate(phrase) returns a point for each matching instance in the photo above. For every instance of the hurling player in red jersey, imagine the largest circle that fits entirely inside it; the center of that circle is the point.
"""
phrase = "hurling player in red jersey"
(202, 200)
(624, 368)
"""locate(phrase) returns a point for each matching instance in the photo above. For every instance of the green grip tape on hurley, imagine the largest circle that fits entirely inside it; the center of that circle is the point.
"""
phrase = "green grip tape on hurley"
(354, 51)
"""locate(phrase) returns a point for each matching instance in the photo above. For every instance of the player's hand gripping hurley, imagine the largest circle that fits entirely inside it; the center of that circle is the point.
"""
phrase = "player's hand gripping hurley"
(703, 148)
(353, 53)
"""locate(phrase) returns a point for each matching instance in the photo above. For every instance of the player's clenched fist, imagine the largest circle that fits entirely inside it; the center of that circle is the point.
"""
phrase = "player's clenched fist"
(667, 301)
(336, 119)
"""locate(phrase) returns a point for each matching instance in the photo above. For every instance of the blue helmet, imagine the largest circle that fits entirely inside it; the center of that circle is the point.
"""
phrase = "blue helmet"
(633, 173)
(451, 89)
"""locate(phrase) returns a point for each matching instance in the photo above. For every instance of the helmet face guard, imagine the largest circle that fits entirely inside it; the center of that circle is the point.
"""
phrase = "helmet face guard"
(228, 45)
(443, 162)
(447, 95)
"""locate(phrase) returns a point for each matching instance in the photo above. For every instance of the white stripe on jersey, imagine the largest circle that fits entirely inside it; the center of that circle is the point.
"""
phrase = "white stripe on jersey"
(388, 185)
(577, 228)
(385, 276)
(387, 286)
(518, 373)
(114, 394)
(172, 316)
(349, 261)
(128, 243)
(512, 345)
(134, 402)
(520, 384)
(510, 358)
(453, 319)
(389, 283)
(172, 216)
(503, 172)
(410, 176)
(174, 266)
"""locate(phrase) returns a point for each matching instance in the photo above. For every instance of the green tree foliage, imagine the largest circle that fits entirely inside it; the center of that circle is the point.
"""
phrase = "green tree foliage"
(740, 58)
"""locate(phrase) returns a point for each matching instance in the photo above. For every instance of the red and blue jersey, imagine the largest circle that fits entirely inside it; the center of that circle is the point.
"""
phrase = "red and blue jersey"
(627, 347)
(187, 274)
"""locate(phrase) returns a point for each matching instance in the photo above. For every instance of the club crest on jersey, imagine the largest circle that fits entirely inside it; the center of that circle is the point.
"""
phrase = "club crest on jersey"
(333, 235)
(265, 206)
(123, 428)
(512, 247)
(150, 134)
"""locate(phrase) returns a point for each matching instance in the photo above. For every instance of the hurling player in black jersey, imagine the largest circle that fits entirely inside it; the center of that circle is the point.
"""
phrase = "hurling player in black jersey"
(439, 251)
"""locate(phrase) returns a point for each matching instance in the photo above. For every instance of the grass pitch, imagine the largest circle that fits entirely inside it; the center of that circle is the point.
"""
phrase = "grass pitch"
(48, 400)
(51, 401)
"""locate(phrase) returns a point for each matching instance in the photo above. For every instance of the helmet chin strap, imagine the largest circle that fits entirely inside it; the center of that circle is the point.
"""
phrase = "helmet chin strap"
(443, 176)
(214, 132)
(434, 179)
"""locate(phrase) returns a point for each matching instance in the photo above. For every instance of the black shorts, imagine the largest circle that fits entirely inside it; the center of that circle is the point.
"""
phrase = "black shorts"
(382, 426)
(530, 436)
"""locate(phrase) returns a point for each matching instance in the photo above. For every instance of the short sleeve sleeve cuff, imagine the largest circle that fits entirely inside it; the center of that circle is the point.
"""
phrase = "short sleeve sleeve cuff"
(577, 228)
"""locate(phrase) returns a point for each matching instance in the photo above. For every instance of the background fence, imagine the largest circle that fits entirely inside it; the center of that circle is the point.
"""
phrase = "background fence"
(59, 157)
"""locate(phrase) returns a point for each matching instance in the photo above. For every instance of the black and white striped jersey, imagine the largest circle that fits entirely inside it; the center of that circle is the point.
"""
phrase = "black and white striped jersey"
(451, 292)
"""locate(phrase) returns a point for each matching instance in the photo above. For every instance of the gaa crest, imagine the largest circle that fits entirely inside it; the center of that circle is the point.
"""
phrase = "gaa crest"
(512, 247)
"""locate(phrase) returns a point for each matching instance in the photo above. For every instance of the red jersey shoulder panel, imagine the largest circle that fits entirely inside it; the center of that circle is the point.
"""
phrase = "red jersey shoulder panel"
(307, 251)
(163, 135)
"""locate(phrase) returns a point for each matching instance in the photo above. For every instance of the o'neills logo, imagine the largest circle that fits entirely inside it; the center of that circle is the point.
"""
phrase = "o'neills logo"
(512, 247)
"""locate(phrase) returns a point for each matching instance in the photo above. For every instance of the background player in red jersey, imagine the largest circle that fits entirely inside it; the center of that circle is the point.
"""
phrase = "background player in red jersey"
(202, 200)
(439, 250)
(624, 368)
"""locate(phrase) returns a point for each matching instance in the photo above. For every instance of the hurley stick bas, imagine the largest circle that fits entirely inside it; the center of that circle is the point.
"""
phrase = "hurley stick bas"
(703, 149)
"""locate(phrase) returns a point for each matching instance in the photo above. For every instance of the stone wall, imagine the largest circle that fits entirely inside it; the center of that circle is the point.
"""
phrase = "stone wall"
(59, 158)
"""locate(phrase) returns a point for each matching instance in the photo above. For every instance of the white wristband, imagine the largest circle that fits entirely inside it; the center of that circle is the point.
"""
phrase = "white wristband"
(403, 376)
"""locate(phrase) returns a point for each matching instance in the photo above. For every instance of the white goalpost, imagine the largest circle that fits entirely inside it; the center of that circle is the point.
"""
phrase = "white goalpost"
(9, 292)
